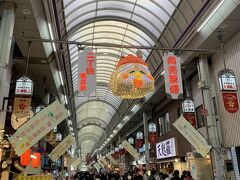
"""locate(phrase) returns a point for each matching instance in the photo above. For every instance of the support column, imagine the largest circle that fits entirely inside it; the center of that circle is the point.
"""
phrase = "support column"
(211, 124)
(145, 124)
(6, 37)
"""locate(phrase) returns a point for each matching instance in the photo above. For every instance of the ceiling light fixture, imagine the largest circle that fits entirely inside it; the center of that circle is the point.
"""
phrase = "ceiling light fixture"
(212, 13)
(51, 35)
(65, 98)
(135, 108)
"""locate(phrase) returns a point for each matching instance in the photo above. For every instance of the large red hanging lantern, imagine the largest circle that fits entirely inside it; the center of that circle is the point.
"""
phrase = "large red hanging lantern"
(25, 158)
(152, 133)
(139, 140)
(36, 160)
(132, 79)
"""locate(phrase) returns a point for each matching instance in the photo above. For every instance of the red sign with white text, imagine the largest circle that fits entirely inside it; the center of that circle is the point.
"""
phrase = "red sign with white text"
(230, 102)
(87, 72)
(172, 75)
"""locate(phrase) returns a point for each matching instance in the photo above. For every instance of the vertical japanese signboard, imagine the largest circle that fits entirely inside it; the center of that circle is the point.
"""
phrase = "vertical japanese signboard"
(166, 149)
(37, 127)
(173, 77)
(87, 72)
(130, 149)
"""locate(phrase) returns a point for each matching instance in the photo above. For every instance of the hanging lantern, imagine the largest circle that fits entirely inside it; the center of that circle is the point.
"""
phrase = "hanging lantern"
(58, 137)
(36, 160)
(152, 133)
(116, 152)
(139, 140)
(25, 158)
(121, 150)
(131, 141)
(132, 78)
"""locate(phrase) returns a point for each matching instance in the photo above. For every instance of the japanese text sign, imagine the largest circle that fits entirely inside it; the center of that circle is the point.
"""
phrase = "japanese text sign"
(192, 135)
(24, 86)
(61, 148)
(104, 161)
(87, 72)
(227, 80)
(166, 149)
(21, 106)
(173, 77)
(37, 127)
(130, 149)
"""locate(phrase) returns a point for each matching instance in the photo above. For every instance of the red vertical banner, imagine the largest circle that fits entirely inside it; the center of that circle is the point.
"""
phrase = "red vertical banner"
(87, 72)
(190, 117)
(172, 76)
(230, 102)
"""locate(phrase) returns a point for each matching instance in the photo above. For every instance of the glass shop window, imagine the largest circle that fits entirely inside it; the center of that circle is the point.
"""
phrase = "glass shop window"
(164, 124)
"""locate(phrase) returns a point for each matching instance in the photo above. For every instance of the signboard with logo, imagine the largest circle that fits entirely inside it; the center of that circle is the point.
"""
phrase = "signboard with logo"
(172, 76)
(230, 102)
(227, 80)
(24, 86)
(192, 135)
(166, 149)
(87, 72)
(188, 106)
(37, 127)
(61, 148)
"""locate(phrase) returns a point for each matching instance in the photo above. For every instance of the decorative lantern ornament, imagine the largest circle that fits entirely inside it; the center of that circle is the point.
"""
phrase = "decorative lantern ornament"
(36, 160)
(152, 133)
(139, 140)
(116, 152)
(131, 141)
(25, 158)
(132, 78)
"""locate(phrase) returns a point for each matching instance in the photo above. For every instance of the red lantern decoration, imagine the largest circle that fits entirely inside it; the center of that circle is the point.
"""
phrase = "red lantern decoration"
(36, 160)
(152, 133)
(25, 158)
(139, 140)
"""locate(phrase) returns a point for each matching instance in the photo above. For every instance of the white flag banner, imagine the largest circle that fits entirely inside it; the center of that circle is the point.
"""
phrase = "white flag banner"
(130, 149)
(109, 156)
(61, 148)
(37, 127)
(192, 135)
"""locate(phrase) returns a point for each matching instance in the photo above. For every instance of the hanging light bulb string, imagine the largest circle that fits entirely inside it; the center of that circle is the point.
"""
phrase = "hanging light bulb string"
(28, 54)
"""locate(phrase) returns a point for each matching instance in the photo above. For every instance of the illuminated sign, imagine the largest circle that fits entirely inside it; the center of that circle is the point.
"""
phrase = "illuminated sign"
(87, 72)
(166, 149)
(172, 75)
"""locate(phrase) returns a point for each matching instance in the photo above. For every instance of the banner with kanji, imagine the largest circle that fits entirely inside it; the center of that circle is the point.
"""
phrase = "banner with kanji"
(37, 127)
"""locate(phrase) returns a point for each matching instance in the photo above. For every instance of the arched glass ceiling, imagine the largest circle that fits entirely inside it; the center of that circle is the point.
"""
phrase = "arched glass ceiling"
(124, 22)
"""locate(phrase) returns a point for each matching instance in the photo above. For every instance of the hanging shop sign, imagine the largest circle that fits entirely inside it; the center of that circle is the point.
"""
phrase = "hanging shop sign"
(101, 164)
(166, 149)
(152, 133)
(188, 106)
(192, 135)
(230, 102)
(37, 127)
(104, 161)
(129, 148)
(132, 79)
(172, 76)
(227, 80)
(24, 86)
(60, 149)
(190, 117)
(109, 156)
(139, 140)
(21, 111)
(87, 72)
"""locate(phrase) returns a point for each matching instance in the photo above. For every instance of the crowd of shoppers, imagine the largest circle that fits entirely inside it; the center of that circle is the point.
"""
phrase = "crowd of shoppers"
(136, 174)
